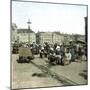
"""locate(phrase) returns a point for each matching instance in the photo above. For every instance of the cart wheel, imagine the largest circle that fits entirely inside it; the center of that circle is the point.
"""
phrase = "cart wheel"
(20, 59)
(27, 60)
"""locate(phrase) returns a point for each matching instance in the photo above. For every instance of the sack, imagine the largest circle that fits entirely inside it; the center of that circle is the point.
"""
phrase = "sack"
(66, 62)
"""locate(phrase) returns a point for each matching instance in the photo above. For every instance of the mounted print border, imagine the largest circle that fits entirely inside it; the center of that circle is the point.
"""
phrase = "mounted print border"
(49, 44)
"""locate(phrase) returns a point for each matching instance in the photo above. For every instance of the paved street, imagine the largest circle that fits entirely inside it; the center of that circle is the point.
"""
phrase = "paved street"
(24, 75)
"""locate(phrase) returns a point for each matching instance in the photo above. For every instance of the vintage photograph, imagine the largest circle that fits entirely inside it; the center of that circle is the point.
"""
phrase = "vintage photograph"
(48, 44)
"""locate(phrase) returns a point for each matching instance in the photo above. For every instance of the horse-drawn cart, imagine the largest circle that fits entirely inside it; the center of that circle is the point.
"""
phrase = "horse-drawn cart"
(25, 55)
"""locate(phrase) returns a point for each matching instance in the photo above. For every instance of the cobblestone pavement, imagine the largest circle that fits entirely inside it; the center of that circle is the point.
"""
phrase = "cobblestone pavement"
(38, 73)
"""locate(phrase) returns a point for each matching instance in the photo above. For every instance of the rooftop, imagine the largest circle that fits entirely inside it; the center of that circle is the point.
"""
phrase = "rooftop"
(25, 31)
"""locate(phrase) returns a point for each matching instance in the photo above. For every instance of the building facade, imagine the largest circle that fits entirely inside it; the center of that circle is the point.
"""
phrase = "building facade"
(45, 37)
(49, 37)
(26, 36)
(58, 38)
(14, 32)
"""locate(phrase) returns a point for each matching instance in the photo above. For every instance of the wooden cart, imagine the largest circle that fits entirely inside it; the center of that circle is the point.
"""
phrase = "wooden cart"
(25, 55)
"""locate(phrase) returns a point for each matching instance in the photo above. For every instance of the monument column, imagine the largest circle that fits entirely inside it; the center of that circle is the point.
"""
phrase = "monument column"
(29, 30)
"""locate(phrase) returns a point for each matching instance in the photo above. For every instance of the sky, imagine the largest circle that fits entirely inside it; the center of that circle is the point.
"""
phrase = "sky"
(50, 17)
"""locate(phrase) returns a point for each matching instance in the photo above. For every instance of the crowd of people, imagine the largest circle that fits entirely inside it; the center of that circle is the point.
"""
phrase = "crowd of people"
(58, 53)
(62, 54)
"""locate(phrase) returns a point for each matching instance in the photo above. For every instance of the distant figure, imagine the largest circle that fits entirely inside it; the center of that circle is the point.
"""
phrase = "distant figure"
(46, 49)
(73, 54)
(58, 55)
(55, 45)
(67, 57)
(51, 56)
(83, 56)
(62, 53)
(41, 52)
